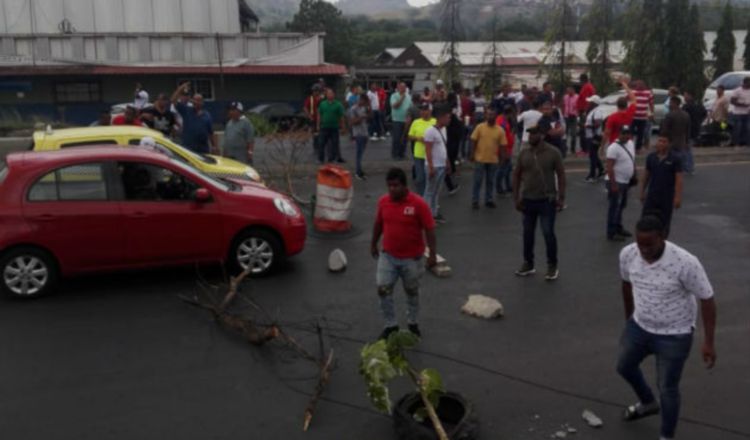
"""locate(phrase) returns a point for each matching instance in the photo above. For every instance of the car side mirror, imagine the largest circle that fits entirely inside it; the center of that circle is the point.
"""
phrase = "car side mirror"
(202, 195)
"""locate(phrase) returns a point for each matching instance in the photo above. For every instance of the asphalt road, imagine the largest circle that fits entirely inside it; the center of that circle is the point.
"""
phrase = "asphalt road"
(120, 357)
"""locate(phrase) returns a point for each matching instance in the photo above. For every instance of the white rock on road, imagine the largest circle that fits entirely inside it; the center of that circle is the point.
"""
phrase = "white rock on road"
(337, 261)
(592, 419)
(483, 307)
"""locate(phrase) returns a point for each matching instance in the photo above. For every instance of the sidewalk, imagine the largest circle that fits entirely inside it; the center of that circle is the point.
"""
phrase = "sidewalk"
(377, 158)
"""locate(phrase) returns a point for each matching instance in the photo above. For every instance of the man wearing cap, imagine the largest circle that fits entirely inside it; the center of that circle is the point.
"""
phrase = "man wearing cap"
(539, 193)
(593, 137)
(621, 170)
(160, 116)
(239, 135)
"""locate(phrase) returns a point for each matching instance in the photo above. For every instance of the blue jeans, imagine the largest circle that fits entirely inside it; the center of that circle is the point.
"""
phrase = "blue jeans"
(432, 188)
(740, 129)
(671, 352)
(361, 142)
(504, 174)
(484, 172)
(420, 176)
(640, 126)
(544, 210)
(596, 168)
(617, 203)
(688, 164)
(376, 124)
(390, 269)
(328, 141)
(398, 146)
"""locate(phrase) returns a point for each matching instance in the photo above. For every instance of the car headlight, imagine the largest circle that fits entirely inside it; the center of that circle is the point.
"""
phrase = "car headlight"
(253, 175)
(285, 207)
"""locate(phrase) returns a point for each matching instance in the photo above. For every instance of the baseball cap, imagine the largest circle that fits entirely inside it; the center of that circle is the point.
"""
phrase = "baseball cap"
(236, 105)
(424, 106)
(626, 129)
(595, 99)
(439, 82)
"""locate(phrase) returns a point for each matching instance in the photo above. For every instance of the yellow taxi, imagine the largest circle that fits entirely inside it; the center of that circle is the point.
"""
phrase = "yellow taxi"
(128, 135)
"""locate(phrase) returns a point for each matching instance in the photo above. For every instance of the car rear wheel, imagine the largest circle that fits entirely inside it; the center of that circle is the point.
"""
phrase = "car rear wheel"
(258, 250)
(27, 272)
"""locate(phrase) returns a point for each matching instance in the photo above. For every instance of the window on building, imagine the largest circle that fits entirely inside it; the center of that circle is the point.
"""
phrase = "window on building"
(78, 92)
(204, 86)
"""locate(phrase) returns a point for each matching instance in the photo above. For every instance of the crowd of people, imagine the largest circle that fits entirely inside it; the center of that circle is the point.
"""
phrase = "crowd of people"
(183, 117)
(662, 283)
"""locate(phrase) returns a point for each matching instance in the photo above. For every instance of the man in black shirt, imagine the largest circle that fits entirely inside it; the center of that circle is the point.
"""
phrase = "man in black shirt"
(697, 114)
(661, 188)
(676, 127)
(552, 117)
(159, 116)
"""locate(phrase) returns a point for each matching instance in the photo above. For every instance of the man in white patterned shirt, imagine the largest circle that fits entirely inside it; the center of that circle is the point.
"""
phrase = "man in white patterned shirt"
(660, 284)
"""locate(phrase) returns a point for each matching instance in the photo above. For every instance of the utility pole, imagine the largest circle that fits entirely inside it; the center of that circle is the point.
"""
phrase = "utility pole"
(493, 67)
(605, 41)
(563, 41)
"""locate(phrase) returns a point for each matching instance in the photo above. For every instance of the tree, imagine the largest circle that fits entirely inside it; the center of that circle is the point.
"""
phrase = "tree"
(599, 23)
(321, 16)
(673, 68)
(643, 40)
(746, 53)
(695, 77)
(724, 44)
(557, 41)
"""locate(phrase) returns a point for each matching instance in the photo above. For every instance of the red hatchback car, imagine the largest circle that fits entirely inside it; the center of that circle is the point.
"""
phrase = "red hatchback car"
(94, 209)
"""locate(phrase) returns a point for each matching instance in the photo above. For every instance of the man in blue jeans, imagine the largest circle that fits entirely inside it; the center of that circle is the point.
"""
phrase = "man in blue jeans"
(620, 170)
(660, 284)
(405, 221)
(539, 193)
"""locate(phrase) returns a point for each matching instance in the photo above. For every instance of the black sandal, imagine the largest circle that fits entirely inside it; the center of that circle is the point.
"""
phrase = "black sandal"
(631, 413)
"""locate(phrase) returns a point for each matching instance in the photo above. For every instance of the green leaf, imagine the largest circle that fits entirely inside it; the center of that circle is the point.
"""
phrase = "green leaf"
(432, 385)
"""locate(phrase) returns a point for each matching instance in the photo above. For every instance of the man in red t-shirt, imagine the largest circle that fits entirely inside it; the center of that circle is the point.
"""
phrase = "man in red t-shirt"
(644, 110)
(404, 220)
(587, 90)
(623, 116)
(129, 117)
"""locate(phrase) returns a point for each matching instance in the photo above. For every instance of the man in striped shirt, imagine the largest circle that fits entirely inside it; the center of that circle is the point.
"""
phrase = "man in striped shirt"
(644, 109)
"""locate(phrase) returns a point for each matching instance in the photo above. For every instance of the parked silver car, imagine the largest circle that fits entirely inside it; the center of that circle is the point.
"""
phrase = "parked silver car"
(609, 105)
(730, 81)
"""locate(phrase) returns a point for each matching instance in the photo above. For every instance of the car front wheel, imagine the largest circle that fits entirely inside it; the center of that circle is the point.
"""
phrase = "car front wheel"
(257, 250)
(27, 272)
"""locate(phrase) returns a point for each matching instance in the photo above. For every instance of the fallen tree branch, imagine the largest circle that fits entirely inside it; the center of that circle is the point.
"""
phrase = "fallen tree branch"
(323, 379)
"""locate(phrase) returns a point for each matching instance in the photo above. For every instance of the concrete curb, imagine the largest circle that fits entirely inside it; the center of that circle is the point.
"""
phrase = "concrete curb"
(705, 155)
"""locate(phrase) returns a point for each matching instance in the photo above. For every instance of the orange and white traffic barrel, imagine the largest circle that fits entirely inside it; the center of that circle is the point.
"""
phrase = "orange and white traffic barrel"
(333, 199)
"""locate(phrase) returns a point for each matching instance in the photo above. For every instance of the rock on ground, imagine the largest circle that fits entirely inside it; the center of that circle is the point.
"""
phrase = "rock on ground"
(337, 261)
(592, 419)
(483, 307)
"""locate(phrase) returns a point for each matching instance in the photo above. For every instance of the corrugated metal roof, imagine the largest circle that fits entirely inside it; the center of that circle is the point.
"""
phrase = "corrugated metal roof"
(324, 69)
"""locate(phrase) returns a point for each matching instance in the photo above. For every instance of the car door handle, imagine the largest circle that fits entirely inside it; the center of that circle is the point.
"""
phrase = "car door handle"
(43, 217)
(138, 214)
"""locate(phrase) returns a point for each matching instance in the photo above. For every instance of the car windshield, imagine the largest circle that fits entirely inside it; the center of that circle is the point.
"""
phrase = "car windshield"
(198, 156)
(220, 184)
(730, 82)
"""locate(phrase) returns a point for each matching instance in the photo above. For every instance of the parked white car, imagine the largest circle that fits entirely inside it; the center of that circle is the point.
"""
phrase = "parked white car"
(730, 81)
(609, 105)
